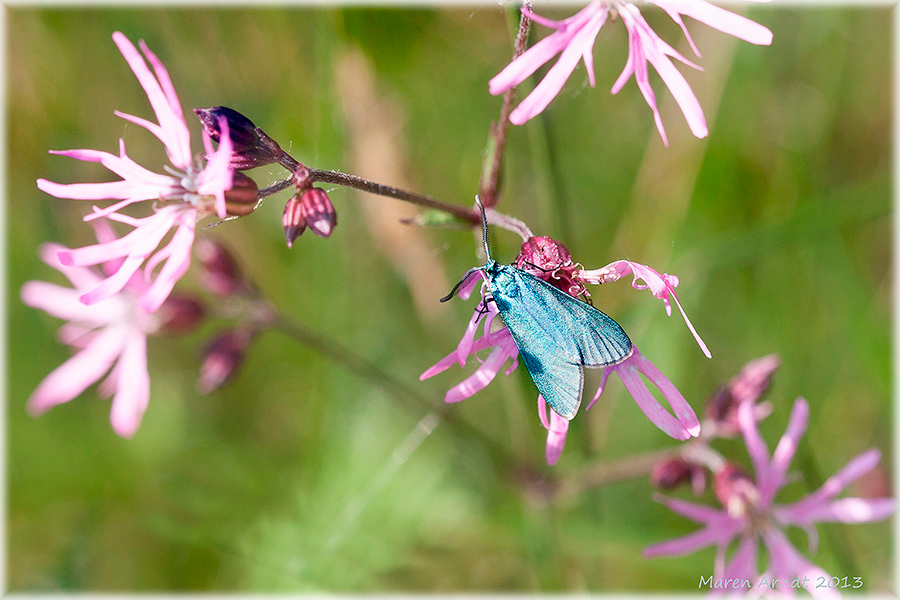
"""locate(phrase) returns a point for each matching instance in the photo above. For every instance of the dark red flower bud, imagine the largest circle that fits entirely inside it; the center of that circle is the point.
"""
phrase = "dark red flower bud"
(252, 147)
(219, 273)
(318, 212)
(747, 386)
(180, 314)
(310, 208)
(669, 473)
(243, 197)
(544, 257)
(292, 221)
(222, 359)
(544, 254)
(735, 489)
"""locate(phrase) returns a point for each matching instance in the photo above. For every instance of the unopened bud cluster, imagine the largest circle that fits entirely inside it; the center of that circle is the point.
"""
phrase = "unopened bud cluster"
(309, 207)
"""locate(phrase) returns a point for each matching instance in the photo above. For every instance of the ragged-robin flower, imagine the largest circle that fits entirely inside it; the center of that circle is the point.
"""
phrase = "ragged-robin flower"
(108, 336)
(551, 261)
(750, 515)
(574, 39)
(185, 194)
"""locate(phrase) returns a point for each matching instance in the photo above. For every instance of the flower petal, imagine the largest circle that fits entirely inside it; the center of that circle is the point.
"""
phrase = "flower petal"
(74, 376)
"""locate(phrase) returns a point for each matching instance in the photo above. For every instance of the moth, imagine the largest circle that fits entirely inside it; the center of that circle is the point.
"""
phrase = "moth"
(557, 335)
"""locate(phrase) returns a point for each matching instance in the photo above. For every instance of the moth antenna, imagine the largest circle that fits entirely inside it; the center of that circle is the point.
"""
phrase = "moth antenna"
(484, 227)
(464, 279)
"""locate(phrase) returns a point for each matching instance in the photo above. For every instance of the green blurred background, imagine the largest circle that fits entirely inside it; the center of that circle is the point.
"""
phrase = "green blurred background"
(778, 224)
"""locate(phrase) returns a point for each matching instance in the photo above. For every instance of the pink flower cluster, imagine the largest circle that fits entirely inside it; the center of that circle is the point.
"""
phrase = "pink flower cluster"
(111, 308)
(751, 516)
(574, 39)
(186, 194)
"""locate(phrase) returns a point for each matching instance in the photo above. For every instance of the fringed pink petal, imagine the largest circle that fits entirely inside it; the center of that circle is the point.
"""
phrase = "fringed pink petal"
(756, 447)
(628, 373)
(179, 250)
(173, 130)
(698, 513)
(553, 82)
(686, 544)
(683, 411)
(133, 390)
(784, 452)
(74, 376)
(719, 18)
(600, 389)
(484, 375)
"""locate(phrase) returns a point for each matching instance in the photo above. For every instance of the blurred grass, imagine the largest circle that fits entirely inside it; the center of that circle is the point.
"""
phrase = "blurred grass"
(779, 226)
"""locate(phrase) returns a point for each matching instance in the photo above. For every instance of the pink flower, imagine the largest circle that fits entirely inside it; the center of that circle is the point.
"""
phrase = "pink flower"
(551, 261)
(574, 40)
(557, 428)
(186, 194)
(109, 335)
(752, 516)
(661, 286)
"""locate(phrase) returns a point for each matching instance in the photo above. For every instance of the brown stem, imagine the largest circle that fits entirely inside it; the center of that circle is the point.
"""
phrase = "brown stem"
(336, 177)
(493, 161)
(638, 465)
(469, 215)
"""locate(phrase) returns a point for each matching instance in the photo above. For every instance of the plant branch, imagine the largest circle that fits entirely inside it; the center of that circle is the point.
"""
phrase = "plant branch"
(489, 187)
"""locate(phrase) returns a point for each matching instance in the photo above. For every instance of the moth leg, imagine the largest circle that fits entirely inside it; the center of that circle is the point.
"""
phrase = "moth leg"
(482, 306)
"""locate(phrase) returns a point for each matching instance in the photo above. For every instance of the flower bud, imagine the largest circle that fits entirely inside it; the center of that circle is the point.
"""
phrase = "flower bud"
(292, 221)
(219, 272)
(754, 379)
(669, 473)
(735, 490)
(221, 359)
(309, 208)
(747, 386)
(544, 257)
(243, 197)
(179, 314)
(252, 147)
(318, 212)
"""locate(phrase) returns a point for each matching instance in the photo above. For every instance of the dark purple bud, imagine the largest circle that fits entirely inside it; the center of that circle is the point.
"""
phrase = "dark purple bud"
(669, 473)
(735, 489)
(221, 359)
(544, 257)
(292, 221)
(180, 315)
(252, 147)
(219, 272)
(318, 212)
(243, 197)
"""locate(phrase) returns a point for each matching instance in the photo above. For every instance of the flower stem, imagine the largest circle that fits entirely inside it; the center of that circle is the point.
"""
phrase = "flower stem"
(489, 187)
(469, 215)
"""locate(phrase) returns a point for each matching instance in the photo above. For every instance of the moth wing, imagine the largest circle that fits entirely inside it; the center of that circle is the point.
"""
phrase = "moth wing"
(557, 335)
(558, 380)
(583, 334)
